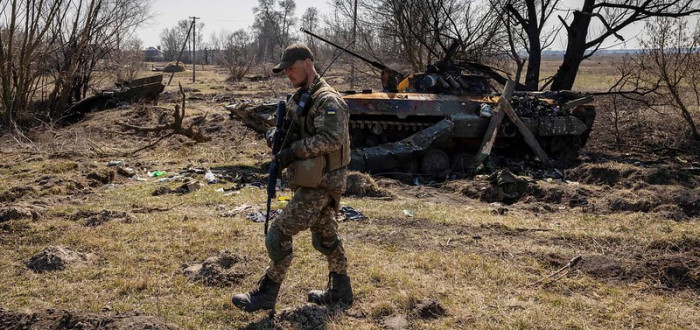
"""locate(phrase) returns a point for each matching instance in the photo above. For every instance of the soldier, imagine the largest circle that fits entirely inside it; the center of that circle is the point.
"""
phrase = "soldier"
(316, 148)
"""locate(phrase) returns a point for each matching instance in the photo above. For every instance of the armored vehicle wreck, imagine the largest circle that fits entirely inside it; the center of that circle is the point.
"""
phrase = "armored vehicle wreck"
(434, 122)
(148, 88)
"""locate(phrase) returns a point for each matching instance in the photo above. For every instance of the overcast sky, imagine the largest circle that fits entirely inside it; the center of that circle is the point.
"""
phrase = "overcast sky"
(231, 15)
(217, 15)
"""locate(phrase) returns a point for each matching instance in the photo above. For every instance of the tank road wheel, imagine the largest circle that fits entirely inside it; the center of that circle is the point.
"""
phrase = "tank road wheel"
(462, 161)
(435, 162)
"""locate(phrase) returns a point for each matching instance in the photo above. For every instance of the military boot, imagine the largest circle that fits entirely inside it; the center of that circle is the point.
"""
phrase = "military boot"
(339, 291)
(262, 297)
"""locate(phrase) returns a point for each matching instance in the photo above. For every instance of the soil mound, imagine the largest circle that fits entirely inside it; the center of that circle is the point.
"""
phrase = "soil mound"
(428, 309)
(19, 212)
(16, 193)
(52, 185)
(96, 218)
(673, 271)
(310, 316)
(362, 185)
(101, 177)
(69, 319)
(629, 176)
(54, 258)
(223, 270)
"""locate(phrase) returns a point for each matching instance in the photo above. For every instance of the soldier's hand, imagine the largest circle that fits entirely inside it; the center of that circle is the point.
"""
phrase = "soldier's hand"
(285, 158)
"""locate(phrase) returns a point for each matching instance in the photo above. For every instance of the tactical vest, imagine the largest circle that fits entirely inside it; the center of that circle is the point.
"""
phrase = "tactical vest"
(305, 127)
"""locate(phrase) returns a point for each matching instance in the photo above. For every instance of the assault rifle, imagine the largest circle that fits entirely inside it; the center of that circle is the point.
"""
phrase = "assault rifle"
(274, 165)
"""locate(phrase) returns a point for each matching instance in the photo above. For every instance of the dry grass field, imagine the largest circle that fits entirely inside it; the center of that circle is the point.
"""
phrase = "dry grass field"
(461, 261)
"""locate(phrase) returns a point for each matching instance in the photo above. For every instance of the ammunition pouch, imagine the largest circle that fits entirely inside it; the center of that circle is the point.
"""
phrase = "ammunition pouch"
(308, 172)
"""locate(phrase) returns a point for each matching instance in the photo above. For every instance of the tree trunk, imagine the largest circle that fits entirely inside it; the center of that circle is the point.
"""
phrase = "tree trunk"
(575, 48)
(685, 113)
(532, 77)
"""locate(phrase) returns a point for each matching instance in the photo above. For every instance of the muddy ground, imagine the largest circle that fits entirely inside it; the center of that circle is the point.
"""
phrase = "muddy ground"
(71, 168)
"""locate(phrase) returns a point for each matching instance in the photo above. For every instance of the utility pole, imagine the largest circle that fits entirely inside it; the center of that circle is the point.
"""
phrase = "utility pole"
(352, 60)
(194, 47)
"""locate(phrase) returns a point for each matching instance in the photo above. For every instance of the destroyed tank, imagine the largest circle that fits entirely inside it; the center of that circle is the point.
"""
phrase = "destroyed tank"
(434, 122)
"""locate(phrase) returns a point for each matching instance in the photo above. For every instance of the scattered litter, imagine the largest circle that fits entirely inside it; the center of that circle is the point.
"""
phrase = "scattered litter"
(283, 201)
(554, 174)
(575, 183)
(192, 186)
(236, 210)
(210, 177)
(258, 185)
(259, 216)
(352, 214)
(408, 213)
(138, 178)
(116, 163)
(156, 174)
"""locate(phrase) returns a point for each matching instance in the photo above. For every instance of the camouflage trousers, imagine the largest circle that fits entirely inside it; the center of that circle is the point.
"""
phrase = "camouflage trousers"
(308, 209)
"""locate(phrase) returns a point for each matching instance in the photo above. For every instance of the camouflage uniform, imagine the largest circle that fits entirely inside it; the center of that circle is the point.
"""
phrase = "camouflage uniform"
(315, 208)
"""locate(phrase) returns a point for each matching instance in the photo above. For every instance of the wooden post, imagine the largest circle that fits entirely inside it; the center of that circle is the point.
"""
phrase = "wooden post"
(492, 130)
(529, 138)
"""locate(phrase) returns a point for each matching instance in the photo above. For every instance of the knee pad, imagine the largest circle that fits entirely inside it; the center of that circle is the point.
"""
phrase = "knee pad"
(325, 245)
(278, 245)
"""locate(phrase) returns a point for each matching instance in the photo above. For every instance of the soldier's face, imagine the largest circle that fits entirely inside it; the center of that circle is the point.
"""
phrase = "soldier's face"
(297, 73)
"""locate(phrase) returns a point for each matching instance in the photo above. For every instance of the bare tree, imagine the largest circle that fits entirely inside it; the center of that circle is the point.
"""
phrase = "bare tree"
(171, 40)
(24, 26)
(86, 33)
(237, 54)
(273, 27)
(64, 39)
(310, 21)
(671, 57)
(613, 16)
(129, 59)
(420, 32)
(524, 22)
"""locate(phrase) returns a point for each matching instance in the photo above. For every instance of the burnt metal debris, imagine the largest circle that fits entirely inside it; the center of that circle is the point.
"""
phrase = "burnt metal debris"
(426, 123)
(148, 88)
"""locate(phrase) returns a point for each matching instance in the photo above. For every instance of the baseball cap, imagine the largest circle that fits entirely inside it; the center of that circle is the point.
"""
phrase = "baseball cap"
(292, 54)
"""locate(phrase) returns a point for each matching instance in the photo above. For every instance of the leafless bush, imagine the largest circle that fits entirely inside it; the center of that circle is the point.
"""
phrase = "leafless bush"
(129, 60)
(65, 40)
(237, 54)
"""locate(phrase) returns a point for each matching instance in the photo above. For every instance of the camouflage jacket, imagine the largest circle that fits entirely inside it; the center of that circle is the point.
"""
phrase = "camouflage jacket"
(327, 118)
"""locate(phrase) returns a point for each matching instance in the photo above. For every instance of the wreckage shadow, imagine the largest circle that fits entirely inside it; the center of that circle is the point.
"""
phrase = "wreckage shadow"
(239, 169)
(309, 316)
